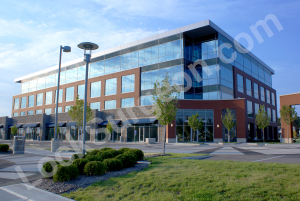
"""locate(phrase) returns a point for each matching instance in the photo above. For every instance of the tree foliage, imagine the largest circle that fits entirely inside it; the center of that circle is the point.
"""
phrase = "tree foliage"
(76, 112)
(228, 121)
(288, 114)
(14, 130)
(195, 123)
(109, 128)
(262, 120)
(58, 129)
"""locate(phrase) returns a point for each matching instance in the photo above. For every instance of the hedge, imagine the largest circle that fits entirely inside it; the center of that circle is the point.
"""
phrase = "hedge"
(123, 150)
(94, 152)
(94, 158)
(113, 164)
(65, 173)
(94, 168)
(4, 147)
(105, 154)
(127, 159)
(139, 153)
(48, 168)
(80, 163)
(77, 156)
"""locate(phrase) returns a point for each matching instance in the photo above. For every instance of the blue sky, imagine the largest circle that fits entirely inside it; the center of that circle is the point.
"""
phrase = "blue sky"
(32, 31)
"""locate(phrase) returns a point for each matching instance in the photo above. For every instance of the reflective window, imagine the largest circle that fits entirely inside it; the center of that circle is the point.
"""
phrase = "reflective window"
(209, 49)
(268, 96)
(67, 108)
(240, 83)
(50, 81)
(71, 75)
(256, 108)
(41, 83)
(247, 65)
(111, 86)
(31, 101)
(25, 86)
(255, 89)
(129, 61)
(254, 68)
(146, 100)
(81, 73)
(38, 111)
(23, 102)
(127, 102)
(226, 77)
(70, 94)
(16, 103)
(48, 98)
(32, 85)
(248, 87)
(261, 75)
(80, 91)
(60, 96)
(95, 105)
(128, 83)
(269, 113)
(39, 99)
(30, 113)
(274, 116)
(95, 89)
(23, 113)
(249, 109)
(96, 69)
(59, 110)
(16, 114)
(48, 111)
(112, 65)
(273, 99)
(110, 104)
(262, 94)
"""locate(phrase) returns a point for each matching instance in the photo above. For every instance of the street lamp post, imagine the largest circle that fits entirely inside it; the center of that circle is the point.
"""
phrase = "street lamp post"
(87, 58)
(55, 142)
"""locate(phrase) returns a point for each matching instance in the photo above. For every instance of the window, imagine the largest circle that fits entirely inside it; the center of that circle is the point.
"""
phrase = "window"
(48, 111)
(38, 111)
(273, 99)
(248, 87)
(240, 83)
(95, 89)
(48, 98)
(256, 108)
(268, 96)
(59, 96)
(249, 109)
(23, 102)
(255, 89)
(50, 81)
(80, 91)
(67, 108)
(31, 101)
(226, 76)
(16, 104)
(111, 86)
(146, 100)
(269, 113)
(127, 102)
(23, 113)
(95, 106)
(110, 104)
(274, 116)
(128, 83)
(262, 94)
(39, 99)
(59, 110)
(30, 113)
(70, 94)
(96, 69)
(16, 114)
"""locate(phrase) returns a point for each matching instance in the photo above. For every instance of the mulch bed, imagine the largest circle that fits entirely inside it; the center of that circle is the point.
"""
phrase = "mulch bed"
(7, 152)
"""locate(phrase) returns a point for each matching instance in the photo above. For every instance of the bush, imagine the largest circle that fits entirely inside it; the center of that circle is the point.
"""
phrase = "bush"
(80, 163)
(93, 152)
(65, 173)
(106, 149)
(94, 158)
(113, 164)
(127, 159)
(123, 150)
(48, 168)
(115, 152)
(4, 147)
(139, 153)
(77, 156)
(105, 154)
(94, 168)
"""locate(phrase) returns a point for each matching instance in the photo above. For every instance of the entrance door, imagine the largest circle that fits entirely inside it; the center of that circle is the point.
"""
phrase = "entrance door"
(142, 131)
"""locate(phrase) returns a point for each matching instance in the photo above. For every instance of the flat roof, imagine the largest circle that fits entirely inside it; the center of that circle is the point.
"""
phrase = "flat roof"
(290, 94)
(191, 27)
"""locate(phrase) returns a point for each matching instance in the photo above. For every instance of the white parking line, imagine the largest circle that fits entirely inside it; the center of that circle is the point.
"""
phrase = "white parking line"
(267, 158)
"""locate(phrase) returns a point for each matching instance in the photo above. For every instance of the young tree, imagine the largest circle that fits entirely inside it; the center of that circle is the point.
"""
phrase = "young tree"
(195, 123)
(14, 130)
(109, 129)
(165, 104)
(76, 113)
(288, 114)
(262, 120)
(58, 130)
(228, 121)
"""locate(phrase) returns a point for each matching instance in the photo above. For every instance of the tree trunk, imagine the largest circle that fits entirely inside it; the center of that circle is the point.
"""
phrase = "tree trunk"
(164, 143)
(228, 136)
(288, 132)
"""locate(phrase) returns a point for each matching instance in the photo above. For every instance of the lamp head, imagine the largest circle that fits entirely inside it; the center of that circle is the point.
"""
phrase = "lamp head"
(66, 48)
(88, 46)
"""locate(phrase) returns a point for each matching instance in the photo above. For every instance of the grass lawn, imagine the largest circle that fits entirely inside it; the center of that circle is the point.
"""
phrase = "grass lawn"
(178, 179)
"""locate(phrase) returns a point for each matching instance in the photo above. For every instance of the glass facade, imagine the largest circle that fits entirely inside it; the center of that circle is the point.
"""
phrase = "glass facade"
(70, 94)
(248, 87)
(262, 94)
(67, 108)
(273, 99)
(249, 109)
(128, 83)
(48, 111)
(31, 101)
(256, 108)
(240, 83)
(127, 102)
(38, 111)
(274, 116)
(95, 105)
(268, 100)
(184, 132)
(95, 89)
(39, 99)
(80, 91)
(110, 104)
(15, 114)
(16, 103)
(269, 113)
(48, 98)
(23, 102)
(110, 86)
(146, 100)
(255, 89)
(23, 113)
(60, 97)
(30, 113)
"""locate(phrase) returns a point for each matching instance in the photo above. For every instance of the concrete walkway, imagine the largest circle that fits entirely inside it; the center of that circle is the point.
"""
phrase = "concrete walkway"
(19, 192)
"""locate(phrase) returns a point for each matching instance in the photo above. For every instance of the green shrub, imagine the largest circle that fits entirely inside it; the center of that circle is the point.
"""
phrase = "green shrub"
(4, 147)
(65, 173)
(94, 158)
(127, 159)
(115, 152)
(113, 164)
(123, 150)
(80, 163)
(77, 156)
(106, 149)
(94, 168)
(94, 152)
(105, 154)
(132, 153)
(139, 153)
(48, 168)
